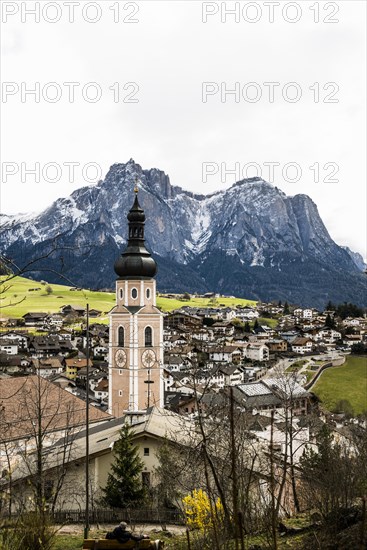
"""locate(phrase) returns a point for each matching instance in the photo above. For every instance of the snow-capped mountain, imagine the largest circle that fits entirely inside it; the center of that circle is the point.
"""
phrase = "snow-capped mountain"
(249, 240)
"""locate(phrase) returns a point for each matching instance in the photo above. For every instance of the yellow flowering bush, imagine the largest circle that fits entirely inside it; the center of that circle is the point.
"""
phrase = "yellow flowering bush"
(197, 510)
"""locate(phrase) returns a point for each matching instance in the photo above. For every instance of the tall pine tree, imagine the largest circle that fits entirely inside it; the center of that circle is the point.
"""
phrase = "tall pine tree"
(329, 321)
(247, 327)
(124, 484)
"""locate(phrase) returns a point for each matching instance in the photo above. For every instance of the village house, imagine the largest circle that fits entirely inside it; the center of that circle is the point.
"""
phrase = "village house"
(47, 367)
(44, 346)
(251, 373)
(272, 393)
(247, 314)
(329, 335)
(95, 373)
(257, 351)
(182, 382)
(168, 380)
(238, 340)
(354, 321)
(182, 319)
(176, 340)
(63, 382)
(55, 320)
(18, 337)
(93, 313)
(13, 364)
(227, 354)
(36, 319)
(74, 364)
(350, 339)
(288, 335)
(227, 314)
(307, 313)
(277, 345)
(100, 390)
(65, 334)
(77, 311)
(210, 377)
(186, 351)
(202, 335)
(223, 328)
(10, 347)
(233, 375)
(100, 351)
(175, 363)
(302, 345)
(259, 337)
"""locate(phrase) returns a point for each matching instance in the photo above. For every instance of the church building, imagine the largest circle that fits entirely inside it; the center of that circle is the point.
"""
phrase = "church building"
(136, 327)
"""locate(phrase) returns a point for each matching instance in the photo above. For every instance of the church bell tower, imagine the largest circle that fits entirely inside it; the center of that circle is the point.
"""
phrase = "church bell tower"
(136, 327)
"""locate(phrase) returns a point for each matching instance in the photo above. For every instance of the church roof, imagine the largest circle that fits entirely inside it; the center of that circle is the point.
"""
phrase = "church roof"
(59, 408)
(136, 262)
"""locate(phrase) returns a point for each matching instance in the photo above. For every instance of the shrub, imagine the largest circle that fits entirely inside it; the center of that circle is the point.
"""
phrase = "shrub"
(199, 510)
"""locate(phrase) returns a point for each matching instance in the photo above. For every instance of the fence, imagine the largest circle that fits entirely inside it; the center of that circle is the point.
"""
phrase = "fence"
(131, 515)
(317, 374)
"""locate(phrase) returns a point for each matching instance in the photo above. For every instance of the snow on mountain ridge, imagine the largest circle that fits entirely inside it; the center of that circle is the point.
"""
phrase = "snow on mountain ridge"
(249, 240)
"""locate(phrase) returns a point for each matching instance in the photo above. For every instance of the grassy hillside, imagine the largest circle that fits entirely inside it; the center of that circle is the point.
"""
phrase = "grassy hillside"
(18, 289)
(168, 304)
(346, 382)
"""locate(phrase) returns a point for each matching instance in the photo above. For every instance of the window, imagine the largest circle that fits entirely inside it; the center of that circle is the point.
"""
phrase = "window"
(120, 393)
(121, 337)
(146, 451)
(48, 489)
(148, 293)
(134, 293)
(145, 477)
(148, 337)
(121, 293)
(120, 371)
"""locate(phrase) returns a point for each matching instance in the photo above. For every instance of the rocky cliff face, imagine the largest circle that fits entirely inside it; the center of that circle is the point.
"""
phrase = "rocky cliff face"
(250, 240)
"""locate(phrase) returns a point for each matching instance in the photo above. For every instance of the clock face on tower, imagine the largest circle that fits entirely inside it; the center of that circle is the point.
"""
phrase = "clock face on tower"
(148, 358)
(120, 358)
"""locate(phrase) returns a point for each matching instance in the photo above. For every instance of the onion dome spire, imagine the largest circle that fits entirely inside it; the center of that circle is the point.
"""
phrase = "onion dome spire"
(136, 262)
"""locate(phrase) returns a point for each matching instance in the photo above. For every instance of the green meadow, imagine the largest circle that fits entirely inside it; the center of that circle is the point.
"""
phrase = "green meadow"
(168, 304)
(16, 299)
(348, 382)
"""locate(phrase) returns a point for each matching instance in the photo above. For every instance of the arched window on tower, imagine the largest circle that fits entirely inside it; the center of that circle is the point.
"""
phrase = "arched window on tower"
(148, 337)
(121, 337)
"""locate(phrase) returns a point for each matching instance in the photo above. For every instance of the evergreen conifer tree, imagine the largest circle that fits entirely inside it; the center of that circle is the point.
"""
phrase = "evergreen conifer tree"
(329, 321)
(124, 485)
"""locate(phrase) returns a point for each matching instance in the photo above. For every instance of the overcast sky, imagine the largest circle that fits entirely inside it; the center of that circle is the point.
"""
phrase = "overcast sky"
(175, 64)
